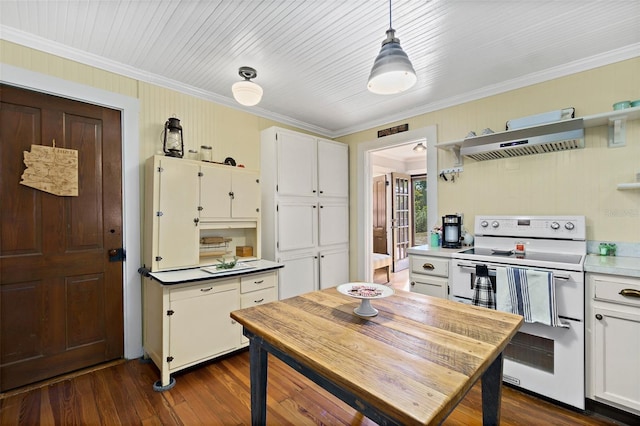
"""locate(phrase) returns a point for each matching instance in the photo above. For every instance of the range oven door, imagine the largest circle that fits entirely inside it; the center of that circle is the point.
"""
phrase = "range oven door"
(546, 360)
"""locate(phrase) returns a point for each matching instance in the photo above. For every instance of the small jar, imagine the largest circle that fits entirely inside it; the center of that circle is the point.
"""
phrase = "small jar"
(604, 249)
(206, 153)
(520, 248)
(612, 249)
(192, 154)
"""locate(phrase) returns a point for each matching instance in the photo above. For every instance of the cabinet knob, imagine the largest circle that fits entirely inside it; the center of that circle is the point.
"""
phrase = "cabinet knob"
(413, 283)
(428, 266)
(196, 220)
(598, 317)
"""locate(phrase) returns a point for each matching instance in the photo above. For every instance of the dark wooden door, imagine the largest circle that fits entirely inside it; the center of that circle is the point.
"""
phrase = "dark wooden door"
(60, 295)
(380, 215)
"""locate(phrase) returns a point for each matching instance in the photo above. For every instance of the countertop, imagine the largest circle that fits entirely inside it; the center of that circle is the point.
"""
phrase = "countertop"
(427, 250)
(199, 274)
(614, 265)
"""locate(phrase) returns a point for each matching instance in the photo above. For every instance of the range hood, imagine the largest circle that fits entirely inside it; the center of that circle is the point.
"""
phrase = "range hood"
(559, 136)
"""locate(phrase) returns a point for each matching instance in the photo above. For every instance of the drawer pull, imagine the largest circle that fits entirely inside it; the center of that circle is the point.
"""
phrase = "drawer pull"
(258, 282)
(599, 317)
(428, 266)
(259, 300)
(204, 290)
(629, 292)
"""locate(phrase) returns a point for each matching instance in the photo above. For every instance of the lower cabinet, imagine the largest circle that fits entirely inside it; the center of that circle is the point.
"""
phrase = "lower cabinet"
(613, 341)
(429, 275)
(186, 324)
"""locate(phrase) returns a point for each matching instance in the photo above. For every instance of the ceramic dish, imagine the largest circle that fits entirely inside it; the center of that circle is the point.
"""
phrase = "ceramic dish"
(635, 103)
(621, 105)
(365, 292)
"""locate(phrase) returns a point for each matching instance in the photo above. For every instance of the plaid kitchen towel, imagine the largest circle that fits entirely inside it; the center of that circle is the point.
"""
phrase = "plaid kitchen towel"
(483, 294)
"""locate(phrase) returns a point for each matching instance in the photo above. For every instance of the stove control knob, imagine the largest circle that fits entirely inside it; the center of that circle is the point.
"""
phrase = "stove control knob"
(495, 224)
(555, 225)
(484, 223)
(569, 226)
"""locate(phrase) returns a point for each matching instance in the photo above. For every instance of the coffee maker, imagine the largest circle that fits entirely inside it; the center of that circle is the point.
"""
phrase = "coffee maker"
(452, 231)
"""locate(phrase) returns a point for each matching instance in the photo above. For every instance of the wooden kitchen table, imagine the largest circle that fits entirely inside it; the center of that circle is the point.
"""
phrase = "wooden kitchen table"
(411, 364)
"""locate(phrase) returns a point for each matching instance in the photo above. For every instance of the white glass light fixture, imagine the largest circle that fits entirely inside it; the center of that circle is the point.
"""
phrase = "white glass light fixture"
(246, 92)
(419, 147)
(392, 71)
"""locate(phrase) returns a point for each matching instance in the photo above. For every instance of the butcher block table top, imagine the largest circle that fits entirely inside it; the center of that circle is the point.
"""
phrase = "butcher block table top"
(410, 364)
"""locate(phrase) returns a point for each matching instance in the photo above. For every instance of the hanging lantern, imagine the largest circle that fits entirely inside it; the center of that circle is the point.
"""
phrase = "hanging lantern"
(173, 144)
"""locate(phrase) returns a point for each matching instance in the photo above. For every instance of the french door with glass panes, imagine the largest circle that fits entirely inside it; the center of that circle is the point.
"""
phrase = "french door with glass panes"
(401, 220)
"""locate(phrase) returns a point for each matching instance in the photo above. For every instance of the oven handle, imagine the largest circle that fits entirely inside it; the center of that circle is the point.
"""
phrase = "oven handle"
(471, 267)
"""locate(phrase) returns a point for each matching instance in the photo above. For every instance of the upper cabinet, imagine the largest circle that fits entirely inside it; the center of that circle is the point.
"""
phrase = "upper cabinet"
(187, 202)
(227, 192)
(309, 166)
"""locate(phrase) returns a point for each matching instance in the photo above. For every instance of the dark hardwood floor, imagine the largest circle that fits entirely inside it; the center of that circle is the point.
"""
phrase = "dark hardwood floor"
(218, 393)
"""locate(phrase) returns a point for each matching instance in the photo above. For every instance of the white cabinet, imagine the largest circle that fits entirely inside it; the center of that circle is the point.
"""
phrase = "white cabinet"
(305, 209)
(227, 192)
(429, 275)
(186, 200)
(171, 213)
(613, 341)
(185, 324)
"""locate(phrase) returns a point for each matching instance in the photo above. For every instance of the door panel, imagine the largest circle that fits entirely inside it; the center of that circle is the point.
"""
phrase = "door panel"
(60, 297)
(401, 222)
(380, 215)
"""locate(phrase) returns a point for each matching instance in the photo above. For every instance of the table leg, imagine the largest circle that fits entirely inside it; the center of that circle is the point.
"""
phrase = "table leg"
(492, 392)
(258, 377)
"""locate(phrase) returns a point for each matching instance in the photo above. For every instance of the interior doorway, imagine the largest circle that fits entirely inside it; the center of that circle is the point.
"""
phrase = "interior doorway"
(366, 151)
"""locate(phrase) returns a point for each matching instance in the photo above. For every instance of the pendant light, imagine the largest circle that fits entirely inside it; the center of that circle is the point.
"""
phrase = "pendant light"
(246, 92)
(392, 71)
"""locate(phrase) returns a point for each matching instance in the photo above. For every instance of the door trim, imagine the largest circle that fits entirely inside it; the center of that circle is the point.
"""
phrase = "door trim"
(364, 225)
(130, 107)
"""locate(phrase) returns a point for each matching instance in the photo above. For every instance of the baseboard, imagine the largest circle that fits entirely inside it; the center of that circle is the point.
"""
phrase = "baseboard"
(620, 416)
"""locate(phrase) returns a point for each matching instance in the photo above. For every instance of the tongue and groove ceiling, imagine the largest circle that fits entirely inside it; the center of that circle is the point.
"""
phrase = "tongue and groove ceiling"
(313, 57)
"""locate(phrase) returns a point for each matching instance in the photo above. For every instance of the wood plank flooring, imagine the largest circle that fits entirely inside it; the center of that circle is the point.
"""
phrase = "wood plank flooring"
(218, 393)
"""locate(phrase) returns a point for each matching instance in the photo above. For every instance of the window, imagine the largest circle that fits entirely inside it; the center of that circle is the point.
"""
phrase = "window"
(420, 232)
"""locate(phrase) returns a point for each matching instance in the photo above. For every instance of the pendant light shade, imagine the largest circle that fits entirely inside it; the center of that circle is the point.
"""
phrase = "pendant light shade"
(392, 71)
(247, 92)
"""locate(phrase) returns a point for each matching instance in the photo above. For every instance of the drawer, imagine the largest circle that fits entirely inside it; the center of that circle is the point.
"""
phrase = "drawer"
(257, 282)
(258, 297)
(202, 289)
(431, 286)
(429, 266)
(613, 289)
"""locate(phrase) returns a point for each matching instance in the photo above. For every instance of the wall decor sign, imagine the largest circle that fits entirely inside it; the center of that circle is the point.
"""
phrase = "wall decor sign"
(393, 130)
(50, 169)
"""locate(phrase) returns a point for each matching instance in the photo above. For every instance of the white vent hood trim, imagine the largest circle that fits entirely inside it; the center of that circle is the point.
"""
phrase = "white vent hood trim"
(559, 136)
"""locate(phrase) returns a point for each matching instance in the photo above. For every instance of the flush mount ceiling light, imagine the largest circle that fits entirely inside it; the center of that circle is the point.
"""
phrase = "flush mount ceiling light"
(419, 147)
(247, 92)
(392, 71)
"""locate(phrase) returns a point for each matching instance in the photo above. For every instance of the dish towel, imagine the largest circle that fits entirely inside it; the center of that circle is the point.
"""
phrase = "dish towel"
(529, 293)
(483, 292)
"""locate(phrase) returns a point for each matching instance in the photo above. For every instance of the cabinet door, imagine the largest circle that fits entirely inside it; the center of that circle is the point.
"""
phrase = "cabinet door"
(616, 335)
(245, 186)
(177, 233)
(334, 268)
(298, 276)
(333, 224)
(215, 189)
(297, 224)
(296, 164)
(333, 169)
(431, 286)
(200, 326)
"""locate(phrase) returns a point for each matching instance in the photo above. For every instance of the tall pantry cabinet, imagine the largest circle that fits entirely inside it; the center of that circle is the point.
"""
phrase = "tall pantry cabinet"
(305, 209)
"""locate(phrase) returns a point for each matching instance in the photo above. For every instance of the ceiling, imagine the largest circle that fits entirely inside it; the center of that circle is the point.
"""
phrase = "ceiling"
(313, 57)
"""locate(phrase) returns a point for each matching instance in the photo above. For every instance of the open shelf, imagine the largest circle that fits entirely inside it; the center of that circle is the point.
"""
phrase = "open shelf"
(633, 185)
